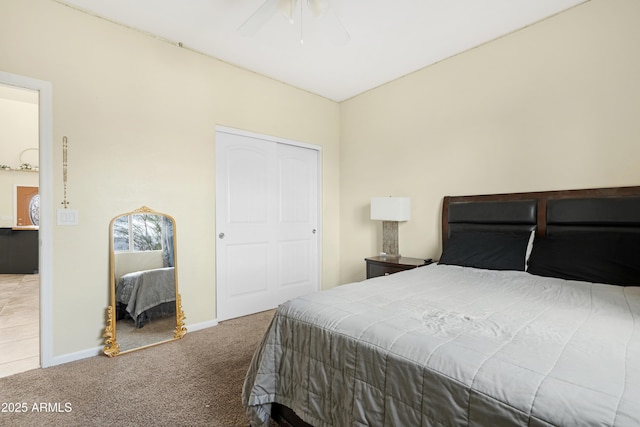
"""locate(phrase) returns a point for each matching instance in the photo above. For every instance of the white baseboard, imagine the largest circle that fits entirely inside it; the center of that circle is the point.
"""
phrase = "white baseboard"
(202, 325)
(71, 357)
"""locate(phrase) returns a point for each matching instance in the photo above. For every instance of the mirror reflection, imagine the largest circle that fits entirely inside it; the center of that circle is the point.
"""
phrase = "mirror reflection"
(145, 304)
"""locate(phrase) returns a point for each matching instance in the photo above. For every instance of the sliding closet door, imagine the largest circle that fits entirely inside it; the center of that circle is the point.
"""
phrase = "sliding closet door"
(266, 223)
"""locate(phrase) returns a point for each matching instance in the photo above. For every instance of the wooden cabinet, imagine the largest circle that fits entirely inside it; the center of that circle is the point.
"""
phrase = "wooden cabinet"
(383, 266)
(18, 251)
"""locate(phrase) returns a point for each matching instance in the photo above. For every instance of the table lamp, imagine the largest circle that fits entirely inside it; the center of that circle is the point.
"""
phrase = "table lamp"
(390, 210)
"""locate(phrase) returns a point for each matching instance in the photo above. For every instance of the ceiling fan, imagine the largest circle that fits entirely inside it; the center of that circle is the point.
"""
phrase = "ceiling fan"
(319, 9)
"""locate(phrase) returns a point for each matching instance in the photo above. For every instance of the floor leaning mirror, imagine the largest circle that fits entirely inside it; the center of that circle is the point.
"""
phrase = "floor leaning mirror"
(145, 307)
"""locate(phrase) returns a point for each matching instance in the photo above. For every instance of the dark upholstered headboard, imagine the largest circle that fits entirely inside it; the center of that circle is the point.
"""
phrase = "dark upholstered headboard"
(547, 212)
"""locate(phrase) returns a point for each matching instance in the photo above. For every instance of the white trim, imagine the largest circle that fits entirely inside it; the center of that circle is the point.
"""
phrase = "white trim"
(234, 131)
(202, 325)
(46, 207)
(78, 355)
(320, 222)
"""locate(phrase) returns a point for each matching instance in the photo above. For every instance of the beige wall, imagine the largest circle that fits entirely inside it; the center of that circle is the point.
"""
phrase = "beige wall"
(553, 106)
(140, 117)
(18, 126)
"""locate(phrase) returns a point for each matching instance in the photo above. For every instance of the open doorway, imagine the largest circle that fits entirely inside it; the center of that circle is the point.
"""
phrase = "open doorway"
(19, 229)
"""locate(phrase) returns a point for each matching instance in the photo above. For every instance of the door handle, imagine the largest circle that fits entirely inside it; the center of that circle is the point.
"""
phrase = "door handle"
(221, 235)
(313, 231)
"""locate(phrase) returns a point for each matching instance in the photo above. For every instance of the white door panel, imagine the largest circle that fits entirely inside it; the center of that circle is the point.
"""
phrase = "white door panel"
(248, 280)
(247, 174)
(267, 223)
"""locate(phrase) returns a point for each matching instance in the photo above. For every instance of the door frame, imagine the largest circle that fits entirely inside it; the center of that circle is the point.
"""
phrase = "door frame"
(45, 233)
(270, 138)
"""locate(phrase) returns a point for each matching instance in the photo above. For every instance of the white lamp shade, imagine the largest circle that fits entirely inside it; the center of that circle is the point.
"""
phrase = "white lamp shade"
(391, 208)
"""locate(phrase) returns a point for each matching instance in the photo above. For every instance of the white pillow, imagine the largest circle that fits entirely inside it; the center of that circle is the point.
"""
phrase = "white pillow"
(529, 249)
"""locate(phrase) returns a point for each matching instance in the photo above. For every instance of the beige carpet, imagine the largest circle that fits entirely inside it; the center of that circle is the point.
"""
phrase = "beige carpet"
(196, 381)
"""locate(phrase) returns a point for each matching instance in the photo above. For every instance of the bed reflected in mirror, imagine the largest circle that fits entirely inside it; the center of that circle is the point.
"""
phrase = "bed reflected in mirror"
(145, 306)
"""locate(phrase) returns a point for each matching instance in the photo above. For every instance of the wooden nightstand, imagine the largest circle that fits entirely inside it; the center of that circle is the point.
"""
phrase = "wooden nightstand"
(383, 266)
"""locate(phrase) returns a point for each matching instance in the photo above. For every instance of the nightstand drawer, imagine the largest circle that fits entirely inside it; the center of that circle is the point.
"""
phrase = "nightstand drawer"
(375, 270)
(383, 266)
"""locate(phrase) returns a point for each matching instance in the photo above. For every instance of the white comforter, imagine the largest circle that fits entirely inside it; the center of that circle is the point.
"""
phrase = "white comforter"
(445, 345)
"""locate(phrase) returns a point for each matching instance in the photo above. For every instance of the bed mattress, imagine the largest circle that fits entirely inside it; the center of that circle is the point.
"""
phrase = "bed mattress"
(447, 345)
(143, 290)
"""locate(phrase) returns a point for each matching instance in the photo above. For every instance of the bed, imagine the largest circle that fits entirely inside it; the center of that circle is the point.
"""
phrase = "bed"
(530, 317)
(146, 294)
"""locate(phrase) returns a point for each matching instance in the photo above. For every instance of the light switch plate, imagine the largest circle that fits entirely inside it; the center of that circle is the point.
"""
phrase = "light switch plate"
(67, 217)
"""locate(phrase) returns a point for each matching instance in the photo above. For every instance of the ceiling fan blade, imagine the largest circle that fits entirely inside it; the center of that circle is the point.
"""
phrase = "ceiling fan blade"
(288, 8)
(318, 7)
(260, 17)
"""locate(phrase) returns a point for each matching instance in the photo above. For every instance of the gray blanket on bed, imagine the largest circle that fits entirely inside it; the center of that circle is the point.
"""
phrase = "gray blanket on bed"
(452, 346)
(142, 290)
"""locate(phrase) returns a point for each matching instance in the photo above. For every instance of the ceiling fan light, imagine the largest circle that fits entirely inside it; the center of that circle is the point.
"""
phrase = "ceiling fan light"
(329, 24)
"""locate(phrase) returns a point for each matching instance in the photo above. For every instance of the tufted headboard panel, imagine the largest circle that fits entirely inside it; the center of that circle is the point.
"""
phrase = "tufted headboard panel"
(547, 212)
(593, 214)
(515, 215)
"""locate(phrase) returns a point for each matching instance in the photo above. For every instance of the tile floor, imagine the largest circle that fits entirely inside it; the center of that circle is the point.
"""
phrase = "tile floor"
(19, 323)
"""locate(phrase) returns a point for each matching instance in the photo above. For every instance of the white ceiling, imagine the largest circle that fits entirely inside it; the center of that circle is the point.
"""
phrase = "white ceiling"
(389, 38)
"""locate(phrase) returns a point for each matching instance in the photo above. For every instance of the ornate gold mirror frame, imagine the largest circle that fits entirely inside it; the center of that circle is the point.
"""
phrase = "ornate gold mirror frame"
(143, 282)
